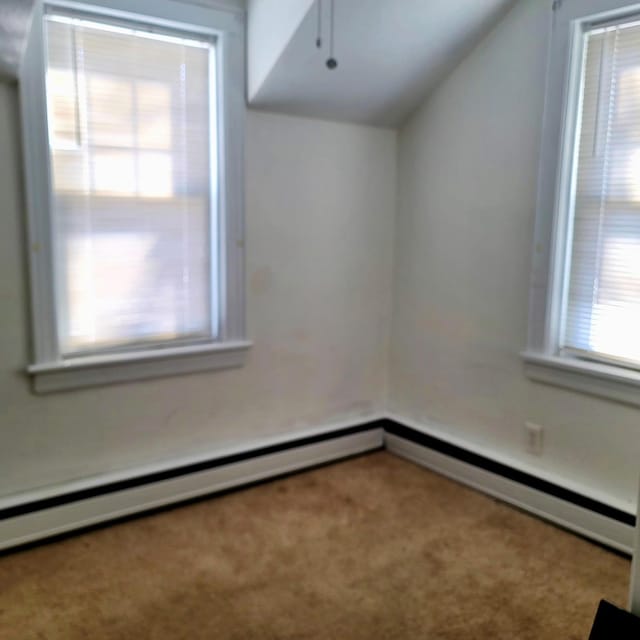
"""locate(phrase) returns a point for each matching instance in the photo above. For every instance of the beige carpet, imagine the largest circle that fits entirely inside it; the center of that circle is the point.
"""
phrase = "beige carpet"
(374, 547)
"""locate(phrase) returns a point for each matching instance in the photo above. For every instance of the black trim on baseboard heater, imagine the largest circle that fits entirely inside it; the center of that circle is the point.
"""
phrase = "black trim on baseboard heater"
(417, 437)
(169, 474)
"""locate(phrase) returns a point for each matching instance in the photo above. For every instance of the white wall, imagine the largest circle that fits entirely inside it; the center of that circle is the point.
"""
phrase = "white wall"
(320, 206)
(14, 21)
(467, 170)
(320, 209)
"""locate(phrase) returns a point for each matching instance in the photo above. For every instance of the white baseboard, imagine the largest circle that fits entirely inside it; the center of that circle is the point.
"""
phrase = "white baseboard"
(585, 522)
(447, 434)
(78, 514)
(327, 444)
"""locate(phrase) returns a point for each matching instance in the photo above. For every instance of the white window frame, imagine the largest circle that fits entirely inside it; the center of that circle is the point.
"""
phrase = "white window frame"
(50, 371)
(543, 359)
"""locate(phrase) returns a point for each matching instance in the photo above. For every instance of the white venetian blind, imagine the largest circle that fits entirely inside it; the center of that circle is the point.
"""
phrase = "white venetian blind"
(129, 117)
(603, 304)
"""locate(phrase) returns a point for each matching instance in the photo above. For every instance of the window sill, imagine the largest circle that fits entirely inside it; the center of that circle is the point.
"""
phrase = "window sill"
(603, 380)
(107, 369)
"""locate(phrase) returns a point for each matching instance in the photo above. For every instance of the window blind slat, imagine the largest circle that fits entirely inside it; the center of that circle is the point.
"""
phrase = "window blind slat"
(602, 317)
(131, 178)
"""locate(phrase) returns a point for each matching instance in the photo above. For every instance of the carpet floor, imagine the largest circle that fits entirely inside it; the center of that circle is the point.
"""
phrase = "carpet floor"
(373, 547)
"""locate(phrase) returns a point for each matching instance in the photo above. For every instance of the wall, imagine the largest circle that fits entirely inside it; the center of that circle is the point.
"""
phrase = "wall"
(14, 21)
(467, 167)
(320, 206)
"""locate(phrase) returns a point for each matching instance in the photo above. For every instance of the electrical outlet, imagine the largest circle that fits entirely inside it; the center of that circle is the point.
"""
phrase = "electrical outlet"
(534, 434)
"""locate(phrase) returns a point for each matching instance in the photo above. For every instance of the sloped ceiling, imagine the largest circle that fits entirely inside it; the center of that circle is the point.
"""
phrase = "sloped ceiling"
(389, 52)
(270, 26)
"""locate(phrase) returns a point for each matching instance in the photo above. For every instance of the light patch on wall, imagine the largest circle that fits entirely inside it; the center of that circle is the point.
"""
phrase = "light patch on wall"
(261, 280)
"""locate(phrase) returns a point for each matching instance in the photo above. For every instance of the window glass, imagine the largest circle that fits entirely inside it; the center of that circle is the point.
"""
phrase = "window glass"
(129, 136)
(602, 317)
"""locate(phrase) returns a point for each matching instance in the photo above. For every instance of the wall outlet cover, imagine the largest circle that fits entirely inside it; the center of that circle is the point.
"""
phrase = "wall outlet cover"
(534, 438)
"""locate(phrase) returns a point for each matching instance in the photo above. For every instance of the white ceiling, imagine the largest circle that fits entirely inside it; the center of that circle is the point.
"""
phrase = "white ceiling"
(270, 26)
(389, 52)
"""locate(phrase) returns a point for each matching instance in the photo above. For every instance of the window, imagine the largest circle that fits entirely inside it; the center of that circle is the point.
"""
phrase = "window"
(133, 146)
(603, 280)
(585, 302)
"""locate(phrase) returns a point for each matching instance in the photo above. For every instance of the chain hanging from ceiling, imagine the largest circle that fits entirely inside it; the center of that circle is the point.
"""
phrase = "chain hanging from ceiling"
(332, 62)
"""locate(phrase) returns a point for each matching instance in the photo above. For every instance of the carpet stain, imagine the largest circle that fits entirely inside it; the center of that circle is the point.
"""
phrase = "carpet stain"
(371, 548)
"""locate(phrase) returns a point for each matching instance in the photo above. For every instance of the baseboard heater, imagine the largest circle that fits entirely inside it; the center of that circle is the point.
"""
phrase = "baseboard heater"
(24, 520)
(583, 515)
(29, 520)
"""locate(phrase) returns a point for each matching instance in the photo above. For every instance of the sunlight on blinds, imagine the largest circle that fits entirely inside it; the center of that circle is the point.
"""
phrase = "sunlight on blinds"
(603, 301)
(129, 133)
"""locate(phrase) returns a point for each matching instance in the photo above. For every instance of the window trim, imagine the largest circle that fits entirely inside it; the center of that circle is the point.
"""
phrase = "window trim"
(89, 371)
(543, 358)
(50, 371)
